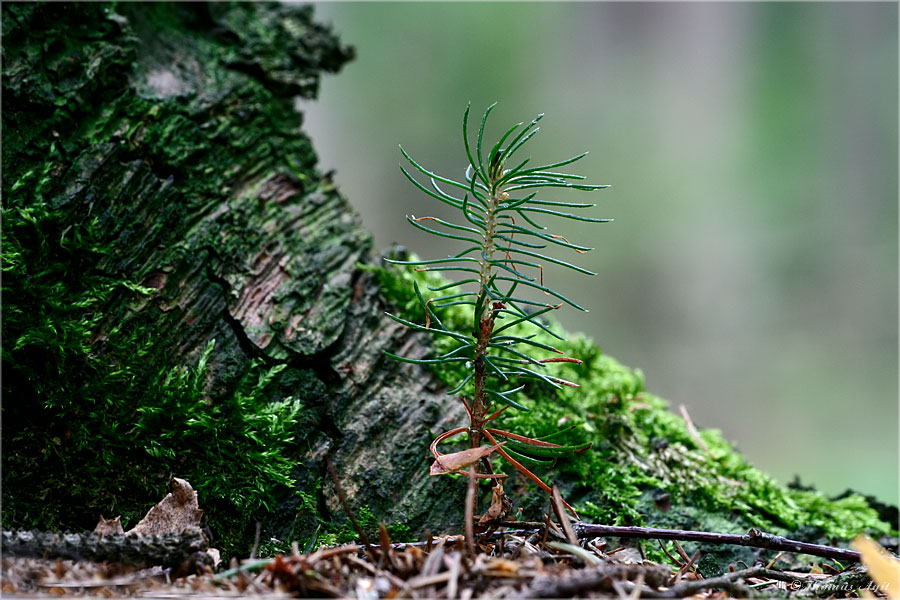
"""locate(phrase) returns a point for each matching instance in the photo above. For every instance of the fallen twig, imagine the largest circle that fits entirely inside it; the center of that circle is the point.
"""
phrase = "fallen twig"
(730, 582)
(593, 578)
(754, 538)
(559, 509)
(851, 579)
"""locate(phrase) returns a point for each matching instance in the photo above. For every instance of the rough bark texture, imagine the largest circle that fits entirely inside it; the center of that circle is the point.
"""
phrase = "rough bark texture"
(170, 549)
(166, 136)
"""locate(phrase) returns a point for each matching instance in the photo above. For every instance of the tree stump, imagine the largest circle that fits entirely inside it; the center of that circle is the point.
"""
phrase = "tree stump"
(158, 194)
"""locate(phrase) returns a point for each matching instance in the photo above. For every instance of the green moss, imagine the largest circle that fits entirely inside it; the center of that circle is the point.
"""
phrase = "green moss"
(246, 431)
(237, 450)
(640, 450)
(114, 423)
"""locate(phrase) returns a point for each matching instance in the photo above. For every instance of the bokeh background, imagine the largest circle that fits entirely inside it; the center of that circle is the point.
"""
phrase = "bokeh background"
(751, 271)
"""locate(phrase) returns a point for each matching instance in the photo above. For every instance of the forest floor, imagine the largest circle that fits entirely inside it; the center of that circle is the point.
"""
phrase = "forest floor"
(167, 555)
(513, 564)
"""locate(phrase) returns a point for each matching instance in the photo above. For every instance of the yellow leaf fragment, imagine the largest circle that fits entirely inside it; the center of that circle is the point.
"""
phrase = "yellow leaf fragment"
(883, 568)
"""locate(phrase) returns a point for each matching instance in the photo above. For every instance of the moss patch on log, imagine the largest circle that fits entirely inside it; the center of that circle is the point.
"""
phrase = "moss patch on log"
(646, 467)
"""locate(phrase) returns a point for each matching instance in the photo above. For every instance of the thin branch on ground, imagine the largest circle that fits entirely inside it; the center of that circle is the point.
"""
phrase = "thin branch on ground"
(730, 582)
(753, 538)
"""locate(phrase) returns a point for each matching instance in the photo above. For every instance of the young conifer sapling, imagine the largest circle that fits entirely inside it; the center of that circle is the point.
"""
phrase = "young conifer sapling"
(503, 238)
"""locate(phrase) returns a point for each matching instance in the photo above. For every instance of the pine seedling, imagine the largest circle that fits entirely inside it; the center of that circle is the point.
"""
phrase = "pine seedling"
(498, 224)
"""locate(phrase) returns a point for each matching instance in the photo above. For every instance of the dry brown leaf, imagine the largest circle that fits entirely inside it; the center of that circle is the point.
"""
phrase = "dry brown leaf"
(175, 513)
(457, 461)
(109, 526)
(499, 509)
(502, 567)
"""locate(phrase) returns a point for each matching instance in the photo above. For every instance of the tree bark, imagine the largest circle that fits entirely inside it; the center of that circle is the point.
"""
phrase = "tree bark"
(167, 134)
(140, 550)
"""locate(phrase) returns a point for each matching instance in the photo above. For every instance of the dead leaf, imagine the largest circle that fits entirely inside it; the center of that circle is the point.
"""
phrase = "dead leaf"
(501, 567)
(109, 526)
(500, 507)
(175, 513)
(457, 461)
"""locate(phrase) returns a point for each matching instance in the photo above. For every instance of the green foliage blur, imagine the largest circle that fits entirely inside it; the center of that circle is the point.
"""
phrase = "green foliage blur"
(752, 147)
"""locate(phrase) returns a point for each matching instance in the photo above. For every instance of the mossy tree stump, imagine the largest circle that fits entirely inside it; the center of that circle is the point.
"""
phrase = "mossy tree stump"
(185, 294)
(159, 195)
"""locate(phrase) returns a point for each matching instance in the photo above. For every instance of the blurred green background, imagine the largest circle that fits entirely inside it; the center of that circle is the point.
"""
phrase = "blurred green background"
(751, 271)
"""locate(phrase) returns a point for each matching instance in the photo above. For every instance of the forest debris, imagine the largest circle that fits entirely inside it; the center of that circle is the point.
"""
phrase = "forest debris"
(167, 543)
(558, 507)
(135, 550)
(443, 572)
(753, 538)
(499, 509)
(503, 565)
(595, 578)
(109, 526)
(578, 551)
(175, 513)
